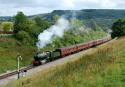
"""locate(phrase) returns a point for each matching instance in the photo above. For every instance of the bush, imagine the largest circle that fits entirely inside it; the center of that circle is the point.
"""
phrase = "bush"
(118, 28)
(7, 26)
(24, 37)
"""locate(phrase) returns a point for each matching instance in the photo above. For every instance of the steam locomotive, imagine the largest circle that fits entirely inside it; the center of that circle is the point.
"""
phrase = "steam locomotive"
(41, 58)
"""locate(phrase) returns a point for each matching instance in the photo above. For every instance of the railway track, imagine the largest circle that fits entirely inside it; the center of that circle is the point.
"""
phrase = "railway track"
(5, 75)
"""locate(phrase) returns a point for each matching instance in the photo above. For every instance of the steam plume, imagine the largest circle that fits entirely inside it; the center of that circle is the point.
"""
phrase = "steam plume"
(58, 29)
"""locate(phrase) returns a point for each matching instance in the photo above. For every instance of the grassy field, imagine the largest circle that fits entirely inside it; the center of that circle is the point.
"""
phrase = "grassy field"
(9, 48)
(102, 67)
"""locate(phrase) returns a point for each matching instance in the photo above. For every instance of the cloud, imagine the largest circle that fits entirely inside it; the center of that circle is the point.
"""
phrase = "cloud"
(30, 7)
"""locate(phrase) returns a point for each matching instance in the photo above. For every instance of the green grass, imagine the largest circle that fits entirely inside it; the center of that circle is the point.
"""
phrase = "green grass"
(9, 48)
(101, 67)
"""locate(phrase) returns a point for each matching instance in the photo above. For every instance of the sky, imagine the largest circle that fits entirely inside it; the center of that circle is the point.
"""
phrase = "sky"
(31, 7)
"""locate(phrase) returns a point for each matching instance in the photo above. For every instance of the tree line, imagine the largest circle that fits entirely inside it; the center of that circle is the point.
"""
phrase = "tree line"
(27, 30)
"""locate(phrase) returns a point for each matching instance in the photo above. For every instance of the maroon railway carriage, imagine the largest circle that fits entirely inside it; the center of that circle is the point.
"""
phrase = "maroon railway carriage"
(92, 44)
(99, 41)
(82, 46)
(68, 50)
(79, 47)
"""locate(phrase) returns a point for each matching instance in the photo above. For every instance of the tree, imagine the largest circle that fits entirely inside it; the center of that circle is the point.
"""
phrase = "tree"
(76, 23)
(43, 24)
(118, 28)
(28, 26)
(38, 21)
(7, 26)
(95, 26)
(56, 18)
(24, 37)
(20, 20)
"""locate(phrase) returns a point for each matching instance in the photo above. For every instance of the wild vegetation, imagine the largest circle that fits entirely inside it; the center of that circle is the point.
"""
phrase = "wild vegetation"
(101, 67)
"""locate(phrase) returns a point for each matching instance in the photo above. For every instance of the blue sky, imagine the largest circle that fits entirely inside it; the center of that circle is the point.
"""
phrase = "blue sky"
(30, 7)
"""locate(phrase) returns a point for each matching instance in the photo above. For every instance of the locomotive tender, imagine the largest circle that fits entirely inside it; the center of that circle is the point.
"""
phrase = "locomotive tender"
(48, 56)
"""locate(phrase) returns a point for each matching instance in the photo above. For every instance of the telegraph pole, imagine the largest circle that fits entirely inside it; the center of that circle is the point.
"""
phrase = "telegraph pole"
(18, 65)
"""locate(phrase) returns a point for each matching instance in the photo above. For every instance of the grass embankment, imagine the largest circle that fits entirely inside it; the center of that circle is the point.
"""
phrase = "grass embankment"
(102, 67)
(9, 48)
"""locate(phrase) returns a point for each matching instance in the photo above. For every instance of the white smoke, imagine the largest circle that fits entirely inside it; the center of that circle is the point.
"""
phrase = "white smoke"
(47, 36)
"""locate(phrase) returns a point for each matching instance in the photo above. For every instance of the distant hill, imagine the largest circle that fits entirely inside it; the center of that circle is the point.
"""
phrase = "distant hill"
(80, 14)
(6, 18)
(103, 17)
(87, 14)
